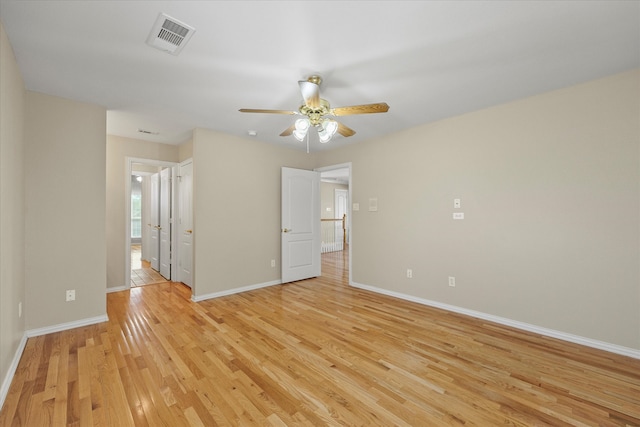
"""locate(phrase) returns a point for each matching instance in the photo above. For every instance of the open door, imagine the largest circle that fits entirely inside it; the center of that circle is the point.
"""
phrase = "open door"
(185, 223)
(154, 224)
(165, 223)
(300, 229)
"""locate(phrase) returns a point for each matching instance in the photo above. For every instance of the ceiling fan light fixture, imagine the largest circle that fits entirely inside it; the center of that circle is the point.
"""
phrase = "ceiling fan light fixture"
(302, 127)
(299, 135)
(324, 136)
(331, 126)
(326, 130)
(314, 111)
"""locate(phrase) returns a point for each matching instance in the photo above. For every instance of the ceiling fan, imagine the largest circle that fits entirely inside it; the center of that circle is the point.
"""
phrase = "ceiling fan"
(317, 113)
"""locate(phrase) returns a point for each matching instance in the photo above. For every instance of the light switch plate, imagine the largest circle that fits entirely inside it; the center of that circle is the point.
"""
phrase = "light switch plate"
(373, 204)
(456, 203)
(356, 206)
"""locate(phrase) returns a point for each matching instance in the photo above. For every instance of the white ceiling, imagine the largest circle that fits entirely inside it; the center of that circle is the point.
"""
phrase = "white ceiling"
(427, 59)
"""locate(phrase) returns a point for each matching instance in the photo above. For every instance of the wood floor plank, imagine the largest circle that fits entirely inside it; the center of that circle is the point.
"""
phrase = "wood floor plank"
(310, 353)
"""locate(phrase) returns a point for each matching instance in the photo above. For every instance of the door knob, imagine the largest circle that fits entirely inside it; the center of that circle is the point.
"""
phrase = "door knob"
(286, 230)
(188, 231)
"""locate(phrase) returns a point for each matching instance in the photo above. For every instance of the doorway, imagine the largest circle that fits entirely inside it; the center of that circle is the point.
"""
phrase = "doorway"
(336, 190)
(139, 258)
(142, 186)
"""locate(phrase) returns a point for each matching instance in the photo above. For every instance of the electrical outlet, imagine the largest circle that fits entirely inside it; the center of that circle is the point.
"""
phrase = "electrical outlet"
(409, 273)
(71, 295)
(452, 281)
(273, 263)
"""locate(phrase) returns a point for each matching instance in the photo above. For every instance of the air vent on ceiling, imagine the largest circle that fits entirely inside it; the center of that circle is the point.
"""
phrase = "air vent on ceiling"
(169, 34)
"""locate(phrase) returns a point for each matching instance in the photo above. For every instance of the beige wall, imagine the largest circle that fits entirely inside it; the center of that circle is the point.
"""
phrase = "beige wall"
(550, 192)
(12, 190)
(65, 210)
(237, 210)
(186, 150)
(118, 149)
(327, 198)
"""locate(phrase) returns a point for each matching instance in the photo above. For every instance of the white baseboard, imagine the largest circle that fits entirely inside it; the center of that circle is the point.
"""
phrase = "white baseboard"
(118, 289)
(199, 298)
(6, 382)
(601, 345)
(65, 326)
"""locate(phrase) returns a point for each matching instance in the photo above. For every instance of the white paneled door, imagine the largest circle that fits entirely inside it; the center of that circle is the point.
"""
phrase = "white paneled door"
(185, 223)
(154, 222)
(300, 229)
(165, 223)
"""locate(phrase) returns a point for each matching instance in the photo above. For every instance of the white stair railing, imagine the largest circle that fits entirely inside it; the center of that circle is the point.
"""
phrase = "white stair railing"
(334, 234)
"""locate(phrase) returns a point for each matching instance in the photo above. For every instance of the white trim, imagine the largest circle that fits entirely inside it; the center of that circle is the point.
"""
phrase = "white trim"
(118, 289)
(66, 326)
(6, 382)
(199, 298)
(576, 339)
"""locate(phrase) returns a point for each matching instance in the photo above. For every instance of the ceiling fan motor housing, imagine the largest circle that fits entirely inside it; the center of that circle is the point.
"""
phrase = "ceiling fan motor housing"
(315, 114)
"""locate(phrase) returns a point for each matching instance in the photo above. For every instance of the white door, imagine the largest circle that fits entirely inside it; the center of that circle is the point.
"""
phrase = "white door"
(341, 204)
(146, 222)
(154, 222)
(300, 229)
(165, 223)
(185, 223)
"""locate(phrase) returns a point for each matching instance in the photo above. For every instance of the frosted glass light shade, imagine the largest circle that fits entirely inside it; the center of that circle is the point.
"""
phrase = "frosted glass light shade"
(302, 127)
(327, 130)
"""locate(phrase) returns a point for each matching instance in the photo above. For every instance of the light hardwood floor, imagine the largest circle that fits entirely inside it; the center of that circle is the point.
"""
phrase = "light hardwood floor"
(315, 352)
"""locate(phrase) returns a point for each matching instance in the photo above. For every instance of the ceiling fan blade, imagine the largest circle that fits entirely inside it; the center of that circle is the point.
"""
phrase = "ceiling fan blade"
(345, 130)
(288, 131)
(380, 107)
(257, 110)
(310, 93)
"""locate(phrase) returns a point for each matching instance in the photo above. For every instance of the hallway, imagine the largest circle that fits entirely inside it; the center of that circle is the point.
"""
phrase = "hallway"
(141, 272)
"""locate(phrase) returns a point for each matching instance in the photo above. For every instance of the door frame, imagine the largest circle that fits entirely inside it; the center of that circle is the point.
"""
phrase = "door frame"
(129, 161)
(349, 207)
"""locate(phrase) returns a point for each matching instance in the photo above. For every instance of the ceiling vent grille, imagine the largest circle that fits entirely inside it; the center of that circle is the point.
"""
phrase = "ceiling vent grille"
(169, 34)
